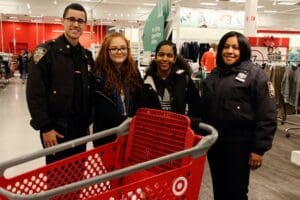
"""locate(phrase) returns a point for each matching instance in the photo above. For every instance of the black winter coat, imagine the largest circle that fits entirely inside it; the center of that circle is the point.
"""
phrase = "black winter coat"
(50, 85)
(240, 103)
(184, 94)
(105, 106)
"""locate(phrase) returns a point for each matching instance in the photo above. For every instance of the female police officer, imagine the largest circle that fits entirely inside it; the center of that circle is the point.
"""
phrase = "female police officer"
(239, 102)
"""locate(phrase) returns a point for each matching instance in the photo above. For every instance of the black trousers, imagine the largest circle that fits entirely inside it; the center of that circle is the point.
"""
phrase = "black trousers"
(74, 130)
(228, 162)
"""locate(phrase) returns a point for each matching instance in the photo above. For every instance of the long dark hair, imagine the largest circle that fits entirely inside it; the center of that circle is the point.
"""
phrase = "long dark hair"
(245, 49)
(180, 62)
(115, 78)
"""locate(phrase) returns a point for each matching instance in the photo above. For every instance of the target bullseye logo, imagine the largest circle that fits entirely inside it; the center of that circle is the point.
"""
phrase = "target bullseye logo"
(179, 186)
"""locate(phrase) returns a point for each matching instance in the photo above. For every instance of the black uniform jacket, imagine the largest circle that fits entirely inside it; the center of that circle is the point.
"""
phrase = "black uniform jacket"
(240, 103)
(50, 85)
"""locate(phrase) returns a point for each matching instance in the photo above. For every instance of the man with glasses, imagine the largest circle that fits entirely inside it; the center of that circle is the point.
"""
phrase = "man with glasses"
(57, 88)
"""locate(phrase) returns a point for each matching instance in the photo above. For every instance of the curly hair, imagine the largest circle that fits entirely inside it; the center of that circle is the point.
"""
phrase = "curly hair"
(115, 78)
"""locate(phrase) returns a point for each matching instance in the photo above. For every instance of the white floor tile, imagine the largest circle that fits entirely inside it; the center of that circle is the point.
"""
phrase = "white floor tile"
(17, 136)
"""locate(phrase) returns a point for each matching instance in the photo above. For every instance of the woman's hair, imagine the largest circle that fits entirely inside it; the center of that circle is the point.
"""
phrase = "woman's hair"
(245, 49)
(180, 62)
(116, 77)
(169, 43)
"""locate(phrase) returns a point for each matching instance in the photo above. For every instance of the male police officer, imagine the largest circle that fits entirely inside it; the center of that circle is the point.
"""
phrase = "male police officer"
(57, 87)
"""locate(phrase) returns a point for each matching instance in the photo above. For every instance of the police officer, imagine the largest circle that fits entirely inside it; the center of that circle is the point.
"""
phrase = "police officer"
(57, 87)
(239, 101)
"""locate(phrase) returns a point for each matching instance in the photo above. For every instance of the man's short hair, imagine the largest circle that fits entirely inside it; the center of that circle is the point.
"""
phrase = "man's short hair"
(75, 6)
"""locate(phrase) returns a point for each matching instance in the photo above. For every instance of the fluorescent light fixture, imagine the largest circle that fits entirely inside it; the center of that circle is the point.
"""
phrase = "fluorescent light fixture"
(28, 5)
(208, 4)
(270, 11)
(36, 20)
(238, 1)
(149, 4)
(13, 20)
(260, 6)
(286, 3)
(106, 22)
(13, 17)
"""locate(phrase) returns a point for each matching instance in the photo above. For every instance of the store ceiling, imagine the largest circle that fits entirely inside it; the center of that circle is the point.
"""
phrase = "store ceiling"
(135, 12)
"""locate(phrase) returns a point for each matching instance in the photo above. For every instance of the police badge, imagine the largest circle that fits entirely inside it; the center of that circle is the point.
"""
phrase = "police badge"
(38, 54)
(241, 76)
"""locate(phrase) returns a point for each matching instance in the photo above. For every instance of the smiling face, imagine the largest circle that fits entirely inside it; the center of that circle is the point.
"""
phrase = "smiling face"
(74, 24)
(165, 59)
(118, 50)
(231, 51)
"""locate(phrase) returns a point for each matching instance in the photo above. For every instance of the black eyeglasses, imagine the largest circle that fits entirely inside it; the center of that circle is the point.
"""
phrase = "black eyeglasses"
(72, 20)
(115, 50)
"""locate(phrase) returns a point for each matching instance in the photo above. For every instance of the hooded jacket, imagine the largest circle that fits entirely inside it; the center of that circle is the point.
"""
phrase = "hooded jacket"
(184, 95)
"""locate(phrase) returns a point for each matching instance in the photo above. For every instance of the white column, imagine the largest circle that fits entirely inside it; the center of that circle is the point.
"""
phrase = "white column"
(251, 18)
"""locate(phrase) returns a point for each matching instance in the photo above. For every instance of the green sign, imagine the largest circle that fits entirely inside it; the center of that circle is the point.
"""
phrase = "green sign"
(155, 24)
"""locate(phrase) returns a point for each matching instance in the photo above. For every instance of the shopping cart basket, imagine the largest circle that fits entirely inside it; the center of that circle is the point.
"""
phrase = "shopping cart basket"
(158, 158)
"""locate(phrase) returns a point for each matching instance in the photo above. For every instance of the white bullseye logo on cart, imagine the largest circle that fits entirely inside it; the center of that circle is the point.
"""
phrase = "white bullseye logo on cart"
(179, 186)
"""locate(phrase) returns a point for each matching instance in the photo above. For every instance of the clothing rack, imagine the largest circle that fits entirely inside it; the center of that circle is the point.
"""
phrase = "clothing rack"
(297, 104)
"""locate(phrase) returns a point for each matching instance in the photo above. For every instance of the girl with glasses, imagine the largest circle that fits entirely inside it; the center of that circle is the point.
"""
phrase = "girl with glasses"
(116, 83)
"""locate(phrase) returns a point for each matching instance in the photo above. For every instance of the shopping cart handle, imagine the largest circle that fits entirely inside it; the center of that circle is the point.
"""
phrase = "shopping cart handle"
(120, 130)
(207, 141)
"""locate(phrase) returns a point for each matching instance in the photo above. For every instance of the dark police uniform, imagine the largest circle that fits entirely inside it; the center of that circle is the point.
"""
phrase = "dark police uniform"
(57, 92)
(239, 102)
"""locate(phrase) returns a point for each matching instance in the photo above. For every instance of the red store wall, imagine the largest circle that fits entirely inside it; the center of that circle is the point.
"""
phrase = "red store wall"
(28, 35)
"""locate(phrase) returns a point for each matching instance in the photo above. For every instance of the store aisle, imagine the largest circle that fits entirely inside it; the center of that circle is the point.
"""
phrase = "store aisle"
(17, 136)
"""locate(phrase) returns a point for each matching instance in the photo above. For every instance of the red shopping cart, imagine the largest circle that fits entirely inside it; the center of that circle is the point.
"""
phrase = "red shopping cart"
(158, 158)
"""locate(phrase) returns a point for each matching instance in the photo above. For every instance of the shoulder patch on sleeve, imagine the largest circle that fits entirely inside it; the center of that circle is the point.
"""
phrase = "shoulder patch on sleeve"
(38, 54)
(271, 90)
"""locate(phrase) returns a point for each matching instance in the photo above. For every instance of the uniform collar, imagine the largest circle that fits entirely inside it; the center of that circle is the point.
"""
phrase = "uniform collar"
(241, 67)
(64, 46)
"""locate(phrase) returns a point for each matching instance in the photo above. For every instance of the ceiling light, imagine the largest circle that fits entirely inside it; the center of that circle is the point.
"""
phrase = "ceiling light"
(208, 4)
(238, 1)
(149, 4)
(260, 7)
(55, 2)
(286, 3)
(270, 11)
(28, 5)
